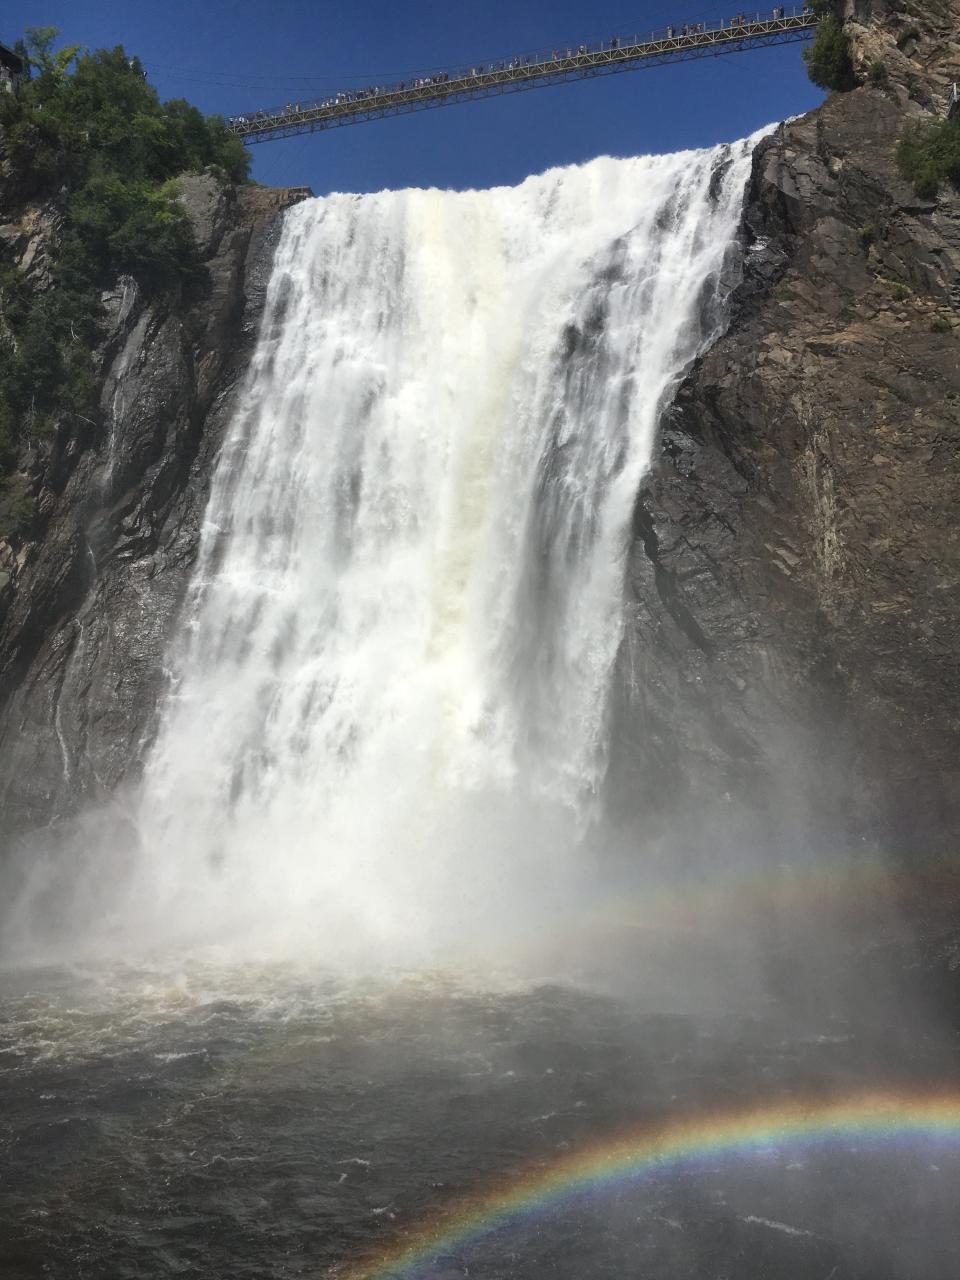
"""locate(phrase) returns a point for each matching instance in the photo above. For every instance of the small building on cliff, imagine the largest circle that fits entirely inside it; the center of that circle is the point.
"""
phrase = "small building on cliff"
(11, 69)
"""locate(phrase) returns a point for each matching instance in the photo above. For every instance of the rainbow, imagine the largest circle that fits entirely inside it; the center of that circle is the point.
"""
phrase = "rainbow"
(871, 1116)
(864, 892)
(838, 883)
(841, 885)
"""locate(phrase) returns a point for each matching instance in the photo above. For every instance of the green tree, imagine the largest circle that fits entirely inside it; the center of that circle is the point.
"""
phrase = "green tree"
(828, 58)
(928, 155)
(41, 54)
(89, 134)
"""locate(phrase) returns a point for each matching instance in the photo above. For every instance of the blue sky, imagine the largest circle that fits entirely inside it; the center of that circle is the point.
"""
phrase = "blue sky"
(233, 56)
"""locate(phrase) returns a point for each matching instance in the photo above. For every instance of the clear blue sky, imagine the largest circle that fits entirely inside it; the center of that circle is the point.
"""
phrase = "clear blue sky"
(232, 56)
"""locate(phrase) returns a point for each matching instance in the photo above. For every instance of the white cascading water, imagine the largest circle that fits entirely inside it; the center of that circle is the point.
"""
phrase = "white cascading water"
(387, 719)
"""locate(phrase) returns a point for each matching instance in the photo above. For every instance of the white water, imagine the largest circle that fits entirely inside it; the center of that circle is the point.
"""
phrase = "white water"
(388, 719)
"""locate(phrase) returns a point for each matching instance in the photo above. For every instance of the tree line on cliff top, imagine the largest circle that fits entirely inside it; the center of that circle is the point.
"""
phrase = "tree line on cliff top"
(86, 133)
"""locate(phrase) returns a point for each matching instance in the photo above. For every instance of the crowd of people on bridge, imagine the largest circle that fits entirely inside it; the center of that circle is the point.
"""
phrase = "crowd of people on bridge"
(380, 94)
(739, 20)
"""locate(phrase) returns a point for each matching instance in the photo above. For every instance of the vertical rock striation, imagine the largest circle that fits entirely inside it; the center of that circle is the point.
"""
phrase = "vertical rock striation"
(796, 574)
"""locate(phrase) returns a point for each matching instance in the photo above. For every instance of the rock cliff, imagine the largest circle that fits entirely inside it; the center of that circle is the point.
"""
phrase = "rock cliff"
(86, 609)
(796, 570)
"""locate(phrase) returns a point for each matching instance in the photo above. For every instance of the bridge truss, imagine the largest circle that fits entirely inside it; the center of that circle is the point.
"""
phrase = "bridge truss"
(535, 71)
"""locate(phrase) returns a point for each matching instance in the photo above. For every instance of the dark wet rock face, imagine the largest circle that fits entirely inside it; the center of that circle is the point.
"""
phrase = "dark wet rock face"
(796, 574)
(87, 610)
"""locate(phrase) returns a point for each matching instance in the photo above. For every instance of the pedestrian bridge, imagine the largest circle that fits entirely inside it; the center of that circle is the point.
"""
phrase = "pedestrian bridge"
(530, 71)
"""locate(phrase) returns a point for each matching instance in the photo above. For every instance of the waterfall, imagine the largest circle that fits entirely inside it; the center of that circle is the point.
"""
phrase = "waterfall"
(388, 711)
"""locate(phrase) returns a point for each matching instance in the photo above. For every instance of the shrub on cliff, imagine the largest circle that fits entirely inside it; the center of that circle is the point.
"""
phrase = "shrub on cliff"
(928, 155)
(87, 133)
(103, 116)
(828, 58)
(135, 228)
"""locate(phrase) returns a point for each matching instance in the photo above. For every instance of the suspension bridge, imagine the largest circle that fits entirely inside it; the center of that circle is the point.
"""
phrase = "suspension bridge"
(529, 71)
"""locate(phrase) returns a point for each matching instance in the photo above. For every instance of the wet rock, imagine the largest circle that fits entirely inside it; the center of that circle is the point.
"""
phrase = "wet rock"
(794, 621)
(86, 612)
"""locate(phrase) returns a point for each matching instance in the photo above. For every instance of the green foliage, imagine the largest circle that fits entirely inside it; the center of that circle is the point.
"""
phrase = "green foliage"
(18, 512)
(877, 74)
(39, 53)
(928, 155)
(911, 33)
(136, 228)
(105, 118)
(87, 132)
(46, 368)
(940, 325)
(867, 236)
(828, 59)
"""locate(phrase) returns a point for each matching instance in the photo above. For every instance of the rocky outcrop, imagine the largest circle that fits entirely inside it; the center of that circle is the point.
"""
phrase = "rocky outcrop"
(796, 571)
(86, 610)
(914, 43)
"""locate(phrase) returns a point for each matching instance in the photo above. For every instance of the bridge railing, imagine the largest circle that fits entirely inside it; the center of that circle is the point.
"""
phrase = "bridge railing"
(527, 71)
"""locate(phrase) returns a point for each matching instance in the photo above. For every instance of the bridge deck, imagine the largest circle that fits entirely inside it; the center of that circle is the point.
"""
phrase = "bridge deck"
(533, 71)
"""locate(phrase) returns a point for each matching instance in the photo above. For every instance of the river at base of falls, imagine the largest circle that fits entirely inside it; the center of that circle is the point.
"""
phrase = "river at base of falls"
(274, 1122)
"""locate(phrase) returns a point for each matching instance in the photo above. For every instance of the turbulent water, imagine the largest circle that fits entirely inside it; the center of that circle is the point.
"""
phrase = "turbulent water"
(263, 1124)
(387, 724)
